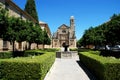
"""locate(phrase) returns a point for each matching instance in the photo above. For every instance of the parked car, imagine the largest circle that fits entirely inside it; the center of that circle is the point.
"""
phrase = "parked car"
(116, 48)
(102, 48)
(108, 47)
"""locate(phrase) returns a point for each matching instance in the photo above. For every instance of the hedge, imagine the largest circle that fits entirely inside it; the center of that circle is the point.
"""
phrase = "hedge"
(73, 49)
(28, 68)
(33, 53)
(84, 49)
(4, 55)
(50, 49)
(114, 53)
(104, 68)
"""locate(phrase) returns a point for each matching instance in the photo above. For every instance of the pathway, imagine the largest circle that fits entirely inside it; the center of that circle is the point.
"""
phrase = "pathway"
(68, 69)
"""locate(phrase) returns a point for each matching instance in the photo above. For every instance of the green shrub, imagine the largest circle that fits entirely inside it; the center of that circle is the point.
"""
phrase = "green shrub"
(18, 54)
(4, 55)
(114, 53)
(49, 49)
(95, 52)
(84, 49)
(28, 68)
(73, 49)
(27, 53)
(33, 53)
(104, 68)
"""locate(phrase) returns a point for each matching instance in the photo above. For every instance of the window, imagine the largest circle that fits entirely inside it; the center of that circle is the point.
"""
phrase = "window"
(20, 45)
(63, 31)
(4, 44)
(55, 40)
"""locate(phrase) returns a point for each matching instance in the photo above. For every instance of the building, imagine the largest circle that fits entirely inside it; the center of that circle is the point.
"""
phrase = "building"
(44, 26)
(65, 34)
(14, 10)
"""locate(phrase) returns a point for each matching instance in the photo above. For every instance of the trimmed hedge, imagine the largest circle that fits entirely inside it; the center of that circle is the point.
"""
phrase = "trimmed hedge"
(95, 52)
(104, 68)
(4, 55)
(33, 53)
(29, 68)
(73, 49)
(114, 53)
(50, 49)
(84, 49)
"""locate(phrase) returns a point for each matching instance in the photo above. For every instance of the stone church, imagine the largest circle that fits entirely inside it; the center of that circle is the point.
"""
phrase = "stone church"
(65, 35)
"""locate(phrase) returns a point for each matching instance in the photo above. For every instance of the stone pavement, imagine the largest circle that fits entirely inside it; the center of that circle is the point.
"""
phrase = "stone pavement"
(68, 69)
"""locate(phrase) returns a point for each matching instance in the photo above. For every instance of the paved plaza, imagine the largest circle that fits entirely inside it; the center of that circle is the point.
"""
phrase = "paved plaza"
(68, 69)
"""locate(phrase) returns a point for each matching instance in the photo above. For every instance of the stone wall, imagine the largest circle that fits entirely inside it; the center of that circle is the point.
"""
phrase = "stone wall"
(1, 44)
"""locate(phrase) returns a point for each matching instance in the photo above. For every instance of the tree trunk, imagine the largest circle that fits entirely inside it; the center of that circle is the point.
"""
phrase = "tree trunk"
(37, 45)
(26, 48)
(29, 46)
(43, 46)
(13, 46)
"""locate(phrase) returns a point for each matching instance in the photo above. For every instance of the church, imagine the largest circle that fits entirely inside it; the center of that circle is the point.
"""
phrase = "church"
(65, 35)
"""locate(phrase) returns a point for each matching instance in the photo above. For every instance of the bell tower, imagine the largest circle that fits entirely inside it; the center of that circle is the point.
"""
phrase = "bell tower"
(72, 23)
(72, 27)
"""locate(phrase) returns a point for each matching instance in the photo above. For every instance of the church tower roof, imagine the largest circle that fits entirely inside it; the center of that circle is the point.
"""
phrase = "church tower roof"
(63, 25)
(72, 17)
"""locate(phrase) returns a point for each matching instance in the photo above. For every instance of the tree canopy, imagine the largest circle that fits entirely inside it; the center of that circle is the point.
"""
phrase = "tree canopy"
(106, 33)
(30, 8)
(15, 29)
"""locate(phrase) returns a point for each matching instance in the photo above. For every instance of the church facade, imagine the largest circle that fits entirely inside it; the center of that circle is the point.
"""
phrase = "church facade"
(65, 35)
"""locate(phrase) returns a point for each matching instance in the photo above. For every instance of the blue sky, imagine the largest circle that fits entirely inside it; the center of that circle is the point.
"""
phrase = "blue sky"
(87, 13)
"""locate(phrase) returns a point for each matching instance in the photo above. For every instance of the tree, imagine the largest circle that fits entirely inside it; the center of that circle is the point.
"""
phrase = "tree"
(22, 30)
(80, 42)
(11, 33)
(106, 33)
(3, 21)
(31, 33)
(34, 34)
(46, 39)
(11, 28)
(39, 35)
(30, 8)
(113, 31)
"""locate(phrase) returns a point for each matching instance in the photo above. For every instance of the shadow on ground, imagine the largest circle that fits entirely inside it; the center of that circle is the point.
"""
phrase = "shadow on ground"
(89, 74)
